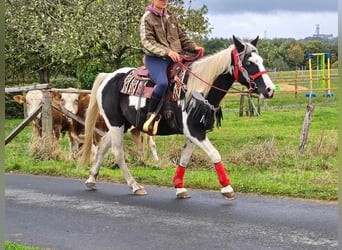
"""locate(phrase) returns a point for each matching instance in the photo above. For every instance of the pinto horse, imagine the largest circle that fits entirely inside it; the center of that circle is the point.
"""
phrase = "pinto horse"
(207, 81)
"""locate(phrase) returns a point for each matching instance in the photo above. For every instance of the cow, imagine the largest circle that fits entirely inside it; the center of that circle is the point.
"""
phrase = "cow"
(33, 99)
(78, 104)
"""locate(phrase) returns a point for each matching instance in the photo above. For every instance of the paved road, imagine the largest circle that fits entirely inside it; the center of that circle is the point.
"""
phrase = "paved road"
(61, 214)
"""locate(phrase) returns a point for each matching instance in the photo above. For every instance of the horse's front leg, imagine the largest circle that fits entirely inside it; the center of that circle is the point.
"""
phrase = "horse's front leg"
(227, 191)
(102, 149)
(181, 192)
(117, 136)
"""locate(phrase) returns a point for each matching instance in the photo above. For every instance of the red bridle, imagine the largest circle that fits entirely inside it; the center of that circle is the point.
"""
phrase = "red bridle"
(238, 68)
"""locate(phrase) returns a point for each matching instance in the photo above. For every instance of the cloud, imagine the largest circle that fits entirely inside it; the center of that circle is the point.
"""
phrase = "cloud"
(278, 24)
(264, 6)
(270, 18)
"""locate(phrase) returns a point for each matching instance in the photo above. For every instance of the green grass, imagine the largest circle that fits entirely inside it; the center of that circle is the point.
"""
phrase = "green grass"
(260, 154)
(15, 246)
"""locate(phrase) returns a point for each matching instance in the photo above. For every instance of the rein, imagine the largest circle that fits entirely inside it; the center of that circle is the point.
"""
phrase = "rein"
(237, 68)
(199, 78)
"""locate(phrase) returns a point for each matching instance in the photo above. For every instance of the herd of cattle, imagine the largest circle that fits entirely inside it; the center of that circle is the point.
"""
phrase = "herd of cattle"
(77, 104)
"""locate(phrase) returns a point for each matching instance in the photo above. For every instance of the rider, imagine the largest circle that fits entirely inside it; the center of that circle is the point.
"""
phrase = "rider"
(162, 39)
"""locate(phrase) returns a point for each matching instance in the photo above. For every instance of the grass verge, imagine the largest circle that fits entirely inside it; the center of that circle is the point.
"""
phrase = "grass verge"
(260, 154)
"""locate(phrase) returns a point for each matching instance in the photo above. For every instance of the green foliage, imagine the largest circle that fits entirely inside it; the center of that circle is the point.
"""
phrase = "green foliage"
(215, 45)
(194, 22)
(87, 72)
(44, 38)
(295, 54)
(13, 109)
(15, 246)
(65, 82)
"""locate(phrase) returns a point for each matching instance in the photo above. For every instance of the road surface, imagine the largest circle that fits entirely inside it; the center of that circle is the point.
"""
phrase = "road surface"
(61, 213)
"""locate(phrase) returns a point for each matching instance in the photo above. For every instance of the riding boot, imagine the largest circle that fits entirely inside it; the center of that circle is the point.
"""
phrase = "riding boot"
(151, 108)
(153, 103)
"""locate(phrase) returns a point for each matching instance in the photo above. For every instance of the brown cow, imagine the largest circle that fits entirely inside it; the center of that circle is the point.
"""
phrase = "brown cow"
(78, 104)
(33, 99)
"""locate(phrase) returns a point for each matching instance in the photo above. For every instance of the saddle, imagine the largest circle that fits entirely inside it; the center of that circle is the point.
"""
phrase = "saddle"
(173, 70)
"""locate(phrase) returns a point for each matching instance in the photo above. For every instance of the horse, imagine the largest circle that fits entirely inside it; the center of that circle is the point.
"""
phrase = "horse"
(206, 82)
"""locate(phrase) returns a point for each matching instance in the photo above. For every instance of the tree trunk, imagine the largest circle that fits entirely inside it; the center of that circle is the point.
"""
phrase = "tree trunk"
(44, 76)
(117, 63)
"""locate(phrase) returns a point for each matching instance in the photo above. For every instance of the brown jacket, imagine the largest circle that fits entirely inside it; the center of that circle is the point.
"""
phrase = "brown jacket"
(159, 37)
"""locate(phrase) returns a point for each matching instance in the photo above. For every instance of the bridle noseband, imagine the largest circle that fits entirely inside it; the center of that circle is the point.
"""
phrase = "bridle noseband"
(239, 68)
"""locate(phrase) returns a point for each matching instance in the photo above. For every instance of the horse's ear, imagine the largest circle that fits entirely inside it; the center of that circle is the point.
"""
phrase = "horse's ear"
(255, 41)
(238, 45)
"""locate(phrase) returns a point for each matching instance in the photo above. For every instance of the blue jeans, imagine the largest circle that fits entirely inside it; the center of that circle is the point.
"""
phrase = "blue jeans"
(157, 67)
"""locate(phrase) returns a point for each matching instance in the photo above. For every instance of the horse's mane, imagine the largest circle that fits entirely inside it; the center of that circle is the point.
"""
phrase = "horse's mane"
(209, 68)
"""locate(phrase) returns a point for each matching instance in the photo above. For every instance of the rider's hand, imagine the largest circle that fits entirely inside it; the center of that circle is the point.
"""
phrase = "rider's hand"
(174, 56)
(198, 48)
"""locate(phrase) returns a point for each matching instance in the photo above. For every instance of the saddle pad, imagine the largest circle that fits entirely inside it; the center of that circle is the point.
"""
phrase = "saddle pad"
(144, 88)
(136, 87)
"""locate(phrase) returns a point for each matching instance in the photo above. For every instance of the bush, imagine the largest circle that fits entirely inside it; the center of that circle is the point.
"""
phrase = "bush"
(13, 109)
(87, 72)
(65, 82)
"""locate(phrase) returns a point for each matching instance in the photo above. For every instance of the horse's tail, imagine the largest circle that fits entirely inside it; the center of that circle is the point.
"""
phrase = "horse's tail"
(85, 152)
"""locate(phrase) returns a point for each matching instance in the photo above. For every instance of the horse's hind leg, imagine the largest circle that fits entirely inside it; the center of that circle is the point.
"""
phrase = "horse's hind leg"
(102, 149)
(153, 148)
(117, 135)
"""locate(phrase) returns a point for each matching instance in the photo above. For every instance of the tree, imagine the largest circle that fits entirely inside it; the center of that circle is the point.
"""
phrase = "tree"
(215, 45)
(46, 37)
(295, 54)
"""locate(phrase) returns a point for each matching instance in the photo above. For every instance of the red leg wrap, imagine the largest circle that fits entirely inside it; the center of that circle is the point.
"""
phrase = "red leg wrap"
(221, 174)
(178, 177)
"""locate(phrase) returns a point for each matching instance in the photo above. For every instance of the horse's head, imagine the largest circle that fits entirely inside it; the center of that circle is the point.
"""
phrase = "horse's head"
(249, 70)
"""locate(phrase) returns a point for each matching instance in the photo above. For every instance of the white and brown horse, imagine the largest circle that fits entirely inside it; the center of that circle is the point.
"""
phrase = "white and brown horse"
(77, 104)
(193, 115)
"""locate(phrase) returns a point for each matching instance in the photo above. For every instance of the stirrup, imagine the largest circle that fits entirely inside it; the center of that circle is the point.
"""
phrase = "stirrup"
(148, 122)
(155, 126)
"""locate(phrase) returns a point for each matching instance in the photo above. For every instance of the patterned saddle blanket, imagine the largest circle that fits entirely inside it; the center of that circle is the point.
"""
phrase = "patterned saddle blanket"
(138, 83)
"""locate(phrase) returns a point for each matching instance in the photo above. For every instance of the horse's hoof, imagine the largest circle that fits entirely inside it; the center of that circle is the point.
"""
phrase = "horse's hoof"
(91, 185)
(140, 192)
(182, 193)
(229, 196)
(228, 193)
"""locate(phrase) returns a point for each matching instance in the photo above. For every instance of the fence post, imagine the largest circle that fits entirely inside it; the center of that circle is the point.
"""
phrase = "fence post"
(47, 133)
(305, 128)
(242, 100)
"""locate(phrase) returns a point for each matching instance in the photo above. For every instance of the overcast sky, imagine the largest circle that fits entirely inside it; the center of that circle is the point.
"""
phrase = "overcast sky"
(270, 18)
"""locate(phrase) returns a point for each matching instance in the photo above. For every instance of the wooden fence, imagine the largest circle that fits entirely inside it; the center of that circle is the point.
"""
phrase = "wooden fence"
(45, 109)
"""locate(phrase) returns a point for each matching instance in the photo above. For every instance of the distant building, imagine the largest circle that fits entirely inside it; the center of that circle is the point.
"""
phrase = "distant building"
(318, 36)
(321, 36)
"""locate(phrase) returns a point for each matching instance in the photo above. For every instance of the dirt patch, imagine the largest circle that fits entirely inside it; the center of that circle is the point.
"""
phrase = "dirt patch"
(288, 87)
